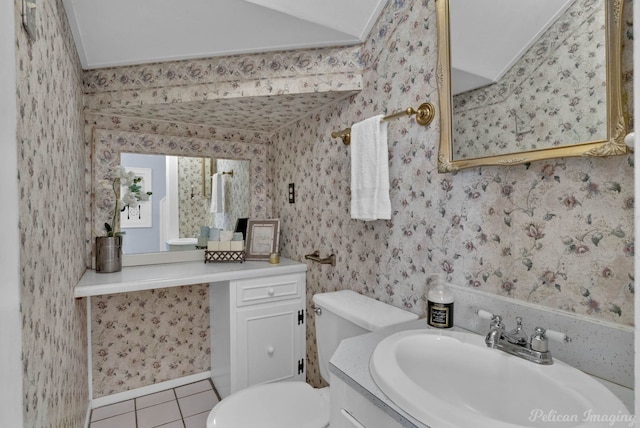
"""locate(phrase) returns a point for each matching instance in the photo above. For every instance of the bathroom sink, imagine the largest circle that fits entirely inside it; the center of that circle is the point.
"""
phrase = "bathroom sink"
(451, 379)
(182, 244)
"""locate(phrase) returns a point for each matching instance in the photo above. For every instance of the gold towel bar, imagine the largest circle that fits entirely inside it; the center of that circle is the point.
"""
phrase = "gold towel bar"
(424, 115)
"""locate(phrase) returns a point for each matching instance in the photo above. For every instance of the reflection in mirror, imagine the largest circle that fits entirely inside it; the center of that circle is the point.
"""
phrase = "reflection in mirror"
(181, 200)
(533, 79)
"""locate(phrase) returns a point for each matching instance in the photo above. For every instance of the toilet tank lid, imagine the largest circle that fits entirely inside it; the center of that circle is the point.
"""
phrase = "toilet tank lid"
(363, 311)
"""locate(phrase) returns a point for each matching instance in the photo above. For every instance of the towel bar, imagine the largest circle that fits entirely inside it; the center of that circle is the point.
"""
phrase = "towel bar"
(315, 256)
(424, 115)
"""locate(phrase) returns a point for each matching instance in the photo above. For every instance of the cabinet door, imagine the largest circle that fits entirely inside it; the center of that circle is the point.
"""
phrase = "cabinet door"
(269, 346)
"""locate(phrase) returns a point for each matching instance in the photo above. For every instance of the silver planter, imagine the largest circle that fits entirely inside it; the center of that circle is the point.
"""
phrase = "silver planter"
(108, 254)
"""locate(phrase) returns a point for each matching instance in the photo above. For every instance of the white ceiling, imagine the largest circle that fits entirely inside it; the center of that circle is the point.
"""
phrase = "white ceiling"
(124, 32)
(483, 50)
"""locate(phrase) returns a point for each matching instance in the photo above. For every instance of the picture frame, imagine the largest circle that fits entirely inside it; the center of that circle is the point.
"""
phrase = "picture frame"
(263, 238)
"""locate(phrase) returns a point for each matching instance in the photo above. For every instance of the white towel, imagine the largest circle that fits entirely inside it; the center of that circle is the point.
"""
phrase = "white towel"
(370, 170)
(217, 194)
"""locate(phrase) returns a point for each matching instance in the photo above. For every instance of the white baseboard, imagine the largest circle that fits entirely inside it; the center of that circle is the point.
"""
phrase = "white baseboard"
(146, 390)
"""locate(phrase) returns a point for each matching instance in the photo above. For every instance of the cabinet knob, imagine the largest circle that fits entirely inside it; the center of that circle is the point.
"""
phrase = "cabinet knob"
(270, 350)
(271, 291)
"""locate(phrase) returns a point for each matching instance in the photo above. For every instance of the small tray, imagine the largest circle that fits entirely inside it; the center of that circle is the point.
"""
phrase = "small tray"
(223, 256)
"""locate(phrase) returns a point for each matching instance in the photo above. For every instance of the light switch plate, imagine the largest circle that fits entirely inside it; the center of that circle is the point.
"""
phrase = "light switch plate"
(292, 193)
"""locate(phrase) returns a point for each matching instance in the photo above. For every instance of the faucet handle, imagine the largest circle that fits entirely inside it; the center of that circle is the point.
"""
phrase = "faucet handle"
(485, 315)
(496, 320)
(539, 341)
(518, 329)
(557, 336)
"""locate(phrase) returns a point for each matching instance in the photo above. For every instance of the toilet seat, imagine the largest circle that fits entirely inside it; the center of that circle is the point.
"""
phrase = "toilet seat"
(273, 405)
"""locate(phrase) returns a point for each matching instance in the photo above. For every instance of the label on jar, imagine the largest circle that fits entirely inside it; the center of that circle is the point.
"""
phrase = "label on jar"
(440, 315)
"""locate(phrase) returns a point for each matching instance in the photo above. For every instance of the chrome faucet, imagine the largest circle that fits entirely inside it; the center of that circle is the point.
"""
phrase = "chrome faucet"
(516, 342)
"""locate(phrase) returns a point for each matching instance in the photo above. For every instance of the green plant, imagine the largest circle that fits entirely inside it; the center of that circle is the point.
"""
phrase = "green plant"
(132, 195)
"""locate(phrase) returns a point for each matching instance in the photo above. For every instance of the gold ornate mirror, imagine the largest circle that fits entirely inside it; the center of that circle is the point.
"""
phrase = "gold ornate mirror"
(528, 80)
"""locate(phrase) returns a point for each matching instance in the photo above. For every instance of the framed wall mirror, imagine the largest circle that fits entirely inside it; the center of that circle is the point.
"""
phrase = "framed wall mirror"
(182, 200)
(249, 183)
(531, 80)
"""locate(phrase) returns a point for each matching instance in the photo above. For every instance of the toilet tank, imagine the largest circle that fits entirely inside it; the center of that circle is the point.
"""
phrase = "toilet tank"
(347, 314)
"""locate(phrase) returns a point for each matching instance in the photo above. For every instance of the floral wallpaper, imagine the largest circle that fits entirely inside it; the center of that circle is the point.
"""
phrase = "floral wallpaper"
(111, 375)
(557, 233)
(219, 70)
(236, 196)
(51, 170)
(267, 112)
(194, 206)
(175, 129)
(524, 111)
(246, 96)
(148, 337)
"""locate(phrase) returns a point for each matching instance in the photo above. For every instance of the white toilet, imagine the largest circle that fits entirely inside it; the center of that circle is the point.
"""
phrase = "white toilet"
(339, 315)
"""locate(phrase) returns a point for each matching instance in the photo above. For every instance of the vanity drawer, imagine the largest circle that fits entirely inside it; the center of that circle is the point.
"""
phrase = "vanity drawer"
(269, 289)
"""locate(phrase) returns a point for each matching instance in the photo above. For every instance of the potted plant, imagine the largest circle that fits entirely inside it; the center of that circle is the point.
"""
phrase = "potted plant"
(109, 247)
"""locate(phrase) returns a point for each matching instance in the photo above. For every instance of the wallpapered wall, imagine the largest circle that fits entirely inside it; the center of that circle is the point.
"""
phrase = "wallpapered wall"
(558, 233)
(525, 110)
(51, 168)
(236, 196)
(194, 206)
(110, 134)
(146, 337)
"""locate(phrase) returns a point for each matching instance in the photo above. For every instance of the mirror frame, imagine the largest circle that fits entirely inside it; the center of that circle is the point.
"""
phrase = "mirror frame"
(616, 123)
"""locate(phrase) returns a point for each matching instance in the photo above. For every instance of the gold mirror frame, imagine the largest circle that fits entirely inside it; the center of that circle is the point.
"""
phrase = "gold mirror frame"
(616, 124)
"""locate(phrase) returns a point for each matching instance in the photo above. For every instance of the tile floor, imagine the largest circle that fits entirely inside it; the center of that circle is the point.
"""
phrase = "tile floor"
(184, 407)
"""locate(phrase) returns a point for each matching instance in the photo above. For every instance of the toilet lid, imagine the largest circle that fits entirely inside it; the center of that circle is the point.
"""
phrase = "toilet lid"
(273, 405)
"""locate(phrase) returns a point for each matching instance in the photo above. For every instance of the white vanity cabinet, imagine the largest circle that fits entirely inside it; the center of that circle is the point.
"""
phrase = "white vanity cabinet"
(350, 409)
(257, 331)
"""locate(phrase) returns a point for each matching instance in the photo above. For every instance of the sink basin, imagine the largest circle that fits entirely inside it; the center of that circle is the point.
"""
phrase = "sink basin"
(451, 379)
(182, 244)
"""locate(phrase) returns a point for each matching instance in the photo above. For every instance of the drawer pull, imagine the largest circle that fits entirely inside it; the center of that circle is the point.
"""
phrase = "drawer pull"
(270, 351)
(271, 291)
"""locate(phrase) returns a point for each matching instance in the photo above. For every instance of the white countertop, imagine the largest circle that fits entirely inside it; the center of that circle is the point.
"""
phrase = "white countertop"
(350, 363)
(138, 278)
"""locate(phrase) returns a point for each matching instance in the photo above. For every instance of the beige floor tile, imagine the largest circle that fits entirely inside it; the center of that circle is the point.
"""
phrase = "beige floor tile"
(160, 414)
(176, 424)
(126, 420)
(196, 421)
(112, 410)
(153, 399)
(193, 388)
(197, 403)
